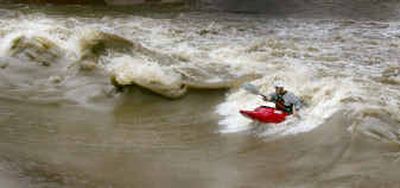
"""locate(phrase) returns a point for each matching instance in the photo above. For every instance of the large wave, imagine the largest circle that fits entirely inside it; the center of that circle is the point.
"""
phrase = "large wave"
(74, 59)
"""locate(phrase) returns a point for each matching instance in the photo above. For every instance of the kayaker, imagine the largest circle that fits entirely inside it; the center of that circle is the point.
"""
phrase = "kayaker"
(284, 100)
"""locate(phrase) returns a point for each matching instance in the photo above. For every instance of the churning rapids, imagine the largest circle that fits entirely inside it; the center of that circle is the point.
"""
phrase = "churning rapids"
(108, 99)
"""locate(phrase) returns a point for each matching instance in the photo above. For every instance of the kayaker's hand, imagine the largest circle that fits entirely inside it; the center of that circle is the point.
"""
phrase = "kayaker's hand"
(296, 115)
(265, 98)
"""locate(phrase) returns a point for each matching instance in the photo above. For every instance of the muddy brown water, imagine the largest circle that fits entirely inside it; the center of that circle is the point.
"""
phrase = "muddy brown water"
(61, 127)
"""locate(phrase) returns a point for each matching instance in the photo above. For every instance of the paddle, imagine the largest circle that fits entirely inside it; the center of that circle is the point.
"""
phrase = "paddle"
(252, 89)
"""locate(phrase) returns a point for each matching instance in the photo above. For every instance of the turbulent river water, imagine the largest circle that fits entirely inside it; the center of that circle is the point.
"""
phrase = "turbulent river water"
(109, 98)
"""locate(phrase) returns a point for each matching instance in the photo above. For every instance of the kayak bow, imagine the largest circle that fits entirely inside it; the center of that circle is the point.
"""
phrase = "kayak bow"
(265, 114)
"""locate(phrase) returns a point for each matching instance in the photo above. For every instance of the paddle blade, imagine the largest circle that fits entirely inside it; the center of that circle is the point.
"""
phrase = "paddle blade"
(250, 88)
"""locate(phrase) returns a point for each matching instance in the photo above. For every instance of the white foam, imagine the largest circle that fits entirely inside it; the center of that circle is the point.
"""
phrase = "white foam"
(32, 27)
(325, 95)
(230, 110)
(128, 69)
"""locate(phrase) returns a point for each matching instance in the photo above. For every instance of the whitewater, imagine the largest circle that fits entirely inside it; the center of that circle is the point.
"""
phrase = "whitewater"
(116, 99)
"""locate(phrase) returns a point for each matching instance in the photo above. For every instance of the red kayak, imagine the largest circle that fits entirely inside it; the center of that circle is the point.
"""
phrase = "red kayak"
(265, 114)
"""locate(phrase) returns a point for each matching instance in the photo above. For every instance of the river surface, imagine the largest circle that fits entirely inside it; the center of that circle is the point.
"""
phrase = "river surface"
(172, 120)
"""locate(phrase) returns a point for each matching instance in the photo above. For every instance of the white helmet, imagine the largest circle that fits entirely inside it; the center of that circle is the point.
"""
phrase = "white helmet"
(279, 84)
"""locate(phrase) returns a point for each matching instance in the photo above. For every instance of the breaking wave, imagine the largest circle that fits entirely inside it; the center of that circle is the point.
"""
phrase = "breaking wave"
(80, 60)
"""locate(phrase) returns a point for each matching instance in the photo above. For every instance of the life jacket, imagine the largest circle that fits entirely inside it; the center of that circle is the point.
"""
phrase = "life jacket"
(280, 104)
